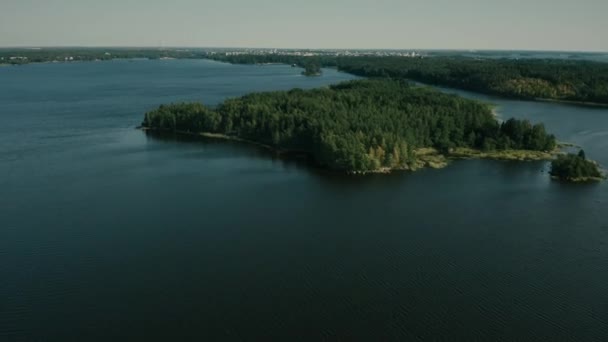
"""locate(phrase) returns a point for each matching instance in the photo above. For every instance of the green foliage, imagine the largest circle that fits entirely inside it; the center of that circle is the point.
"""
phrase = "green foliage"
(574, 167)
(312, 69)
(549, 79)
(184, 117)
(356, 126)
(522, 135)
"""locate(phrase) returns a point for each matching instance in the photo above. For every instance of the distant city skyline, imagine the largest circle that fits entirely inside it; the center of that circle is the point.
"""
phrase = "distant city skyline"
(555, 25)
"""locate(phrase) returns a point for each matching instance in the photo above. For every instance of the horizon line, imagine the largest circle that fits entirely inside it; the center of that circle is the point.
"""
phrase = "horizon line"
(288, 48)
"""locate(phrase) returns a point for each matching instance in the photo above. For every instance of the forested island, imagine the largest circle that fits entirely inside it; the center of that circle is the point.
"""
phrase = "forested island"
(549, 79)
(312, 69)
(362, 126)
(576, 168)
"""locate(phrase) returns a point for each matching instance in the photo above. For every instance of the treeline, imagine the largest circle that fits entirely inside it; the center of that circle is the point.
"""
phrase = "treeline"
(572, 167)
(25, 56)
(569, 80)
(356, 126)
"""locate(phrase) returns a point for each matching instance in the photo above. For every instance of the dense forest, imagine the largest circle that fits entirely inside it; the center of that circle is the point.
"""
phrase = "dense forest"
(567, 80)
(575, 167)
(363, 125)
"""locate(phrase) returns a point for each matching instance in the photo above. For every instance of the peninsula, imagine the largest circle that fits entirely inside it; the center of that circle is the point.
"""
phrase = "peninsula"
(362, 126)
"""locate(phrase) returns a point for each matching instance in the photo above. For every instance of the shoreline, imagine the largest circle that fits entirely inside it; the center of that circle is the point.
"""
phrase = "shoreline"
(426, 157)
(579, 179)
(571, 102)
(218, 136)
(429, 157)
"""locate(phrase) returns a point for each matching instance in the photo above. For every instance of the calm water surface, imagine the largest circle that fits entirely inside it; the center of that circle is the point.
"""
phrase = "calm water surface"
(107, 234)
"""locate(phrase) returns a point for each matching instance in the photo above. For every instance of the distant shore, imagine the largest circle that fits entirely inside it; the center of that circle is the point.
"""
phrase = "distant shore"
(571, 102)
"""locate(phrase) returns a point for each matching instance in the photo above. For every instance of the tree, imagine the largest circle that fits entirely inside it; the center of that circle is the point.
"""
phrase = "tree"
(581, 154)
(573, 167)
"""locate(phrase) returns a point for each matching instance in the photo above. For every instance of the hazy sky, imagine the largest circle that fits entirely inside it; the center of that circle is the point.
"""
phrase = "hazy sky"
(422, 24)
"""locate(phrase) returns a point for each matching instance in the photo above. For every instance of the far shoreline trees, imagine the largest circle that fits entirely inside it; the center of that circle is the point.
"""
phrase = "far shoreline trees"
(583, 82)
(552, 79)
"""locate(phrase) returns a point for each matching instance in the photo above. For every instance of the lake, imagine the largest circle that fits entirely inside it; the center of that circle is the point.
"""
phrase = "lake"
(109, 234)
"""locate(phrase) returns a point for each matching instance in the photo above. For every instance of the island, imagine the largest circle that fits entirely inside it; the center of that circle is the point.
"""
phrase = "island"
(576, 168)
(362, 126)
(312, 69)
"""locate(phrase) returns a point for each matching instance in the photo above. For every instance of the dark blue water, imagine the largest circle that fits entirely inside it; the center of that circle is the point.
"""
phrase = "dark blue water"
(107, 234)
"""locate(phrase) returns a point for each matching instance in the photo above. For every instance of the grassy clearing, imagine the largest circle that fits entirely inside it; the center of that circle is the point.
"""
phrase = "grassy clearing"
(429, 157)
(519, 155)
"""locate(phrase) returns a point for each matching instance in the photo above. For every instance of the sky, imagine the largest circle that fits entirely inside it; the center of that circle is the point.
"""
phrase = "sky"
(578, 25)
